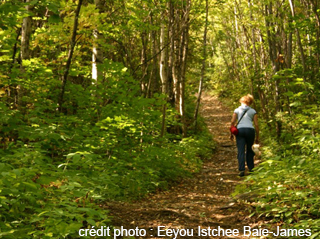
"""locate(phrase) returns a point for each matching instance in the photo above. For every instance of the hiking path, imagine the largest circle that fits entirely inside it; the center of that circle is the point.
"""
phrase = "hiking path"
(202, 201)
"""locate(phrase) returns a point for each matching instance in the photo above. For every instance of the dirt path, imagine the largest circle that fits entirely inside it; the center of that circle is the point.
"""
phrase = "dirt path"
(203, 201)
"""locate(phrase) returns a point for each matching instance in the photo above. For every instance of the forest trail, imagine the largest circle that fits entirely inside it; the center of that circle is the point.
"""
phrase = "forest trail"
(204, 200)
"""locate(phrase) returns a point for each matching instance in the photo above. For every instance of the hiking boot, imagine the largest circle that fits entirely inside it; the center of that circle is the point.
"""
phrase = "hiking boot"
(241, 174)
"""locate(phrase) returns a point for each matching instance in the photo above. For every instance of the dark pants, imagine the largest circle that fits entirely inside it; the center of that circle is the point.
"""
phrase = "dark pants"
(245, 140)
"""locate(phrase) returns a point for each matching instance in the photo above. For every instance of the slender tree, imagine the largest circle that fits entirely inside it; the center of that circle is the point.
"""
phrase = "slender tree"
(303, 58)
(70, 53)
(183, 66)
(26, 33)
(97, 51)
(203, 67)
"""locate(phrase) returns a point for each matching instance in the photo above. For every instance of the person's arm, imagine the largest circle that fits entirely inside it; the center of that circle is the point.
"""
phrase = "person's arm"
(256, 126)
(234, 119)
(233, 122)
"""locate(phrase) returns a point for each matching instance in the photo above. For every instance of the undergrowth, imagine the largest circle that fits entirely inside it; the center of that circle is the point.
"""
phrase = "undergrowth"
(286, 182)
(285, 185)
(55, 174)
(56, 169)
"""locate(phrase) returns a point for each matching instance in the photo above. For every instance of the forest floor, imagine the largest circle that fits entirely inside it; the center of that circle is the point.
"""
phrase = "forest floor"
(202, 201)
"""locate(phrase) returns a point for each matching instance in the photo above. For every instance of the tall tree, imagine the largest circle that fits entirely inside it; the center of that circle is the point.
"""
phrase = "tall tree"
(203, 66)
(26, 33)
(303, 58)
(26, 29)
(163, 70)
(97, 51)
(183, 64)
(70, 54)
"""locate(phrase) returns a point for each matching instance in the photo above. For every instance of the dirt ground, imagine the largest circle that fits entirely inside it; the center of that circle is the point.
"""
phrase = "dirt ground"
(203, 202)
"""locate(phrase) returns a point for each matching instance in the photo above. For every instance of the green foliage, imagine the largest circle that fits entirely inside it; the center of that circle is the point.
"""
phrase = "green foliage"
(56, 168)
(36, 204)
(287, 185)
(250, 57)
(287, 181)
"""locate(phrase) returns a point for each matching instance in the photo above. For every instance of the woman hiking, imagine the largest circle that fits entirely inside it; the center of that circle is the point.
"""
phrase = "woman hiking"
(247, 135)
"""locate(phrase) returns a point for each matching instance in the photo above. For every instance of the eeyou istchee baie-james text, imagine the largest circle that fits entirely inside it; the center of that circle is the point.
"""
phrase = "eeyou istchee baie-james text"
(163, 231)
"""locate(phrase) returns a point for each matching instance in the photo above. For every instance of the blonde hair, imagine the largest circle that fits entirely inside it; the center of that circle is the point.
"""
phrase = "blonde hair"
(248, 99)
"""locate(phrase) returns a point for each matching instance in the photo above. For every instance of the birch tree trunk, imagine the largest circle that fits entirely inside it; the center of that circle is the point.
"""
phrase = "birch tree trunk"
(152, 83)
(203, 67)
(171, 58)
(163, 72)
(183, 62)
(175, 66)
(26, 29)
(97, 51)
(163, 75)
(144, 64)
(97, 57)
(25, 34)
(182, 80)
(163, 60)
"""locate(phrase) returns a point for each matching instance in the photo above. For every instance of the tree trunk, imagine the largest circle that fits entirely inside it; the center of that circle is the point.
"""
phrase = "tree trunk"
(163, 60)
(26, 29)
(175, 69)
(15, 48)
(163, 75)
(97, 57)
(289, 51)
(253, 52)
(12, 90)
(183, 62)
(182, 80)
(97, 51)
(203, 67)
(152, 84)
(71, 49)
(235, 45)
(171, 58)
(303, 59)
(144, 63)
(273, 56)
(25, 34)
(314, 7)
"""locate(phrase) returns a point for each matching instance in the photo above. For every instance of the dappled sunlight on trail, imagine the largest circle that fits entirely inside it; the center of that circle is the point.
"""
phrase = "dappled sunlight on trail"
(203, 201)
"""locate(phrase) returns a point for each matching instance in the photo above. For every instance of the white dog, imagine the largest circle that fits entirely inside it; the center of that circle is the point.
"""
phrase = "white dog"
(255, 148)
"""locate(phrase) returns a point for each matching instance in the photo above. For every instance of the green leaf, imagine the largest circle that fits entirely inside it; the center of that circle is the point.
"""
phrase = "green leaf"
(91, 221)
(313, 236)
(31, 185)
(54, 19)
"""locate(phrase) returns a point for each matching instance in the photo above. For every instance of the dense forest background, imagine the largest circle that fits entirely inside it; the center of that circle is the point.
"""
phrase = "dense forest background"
(100, 99)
